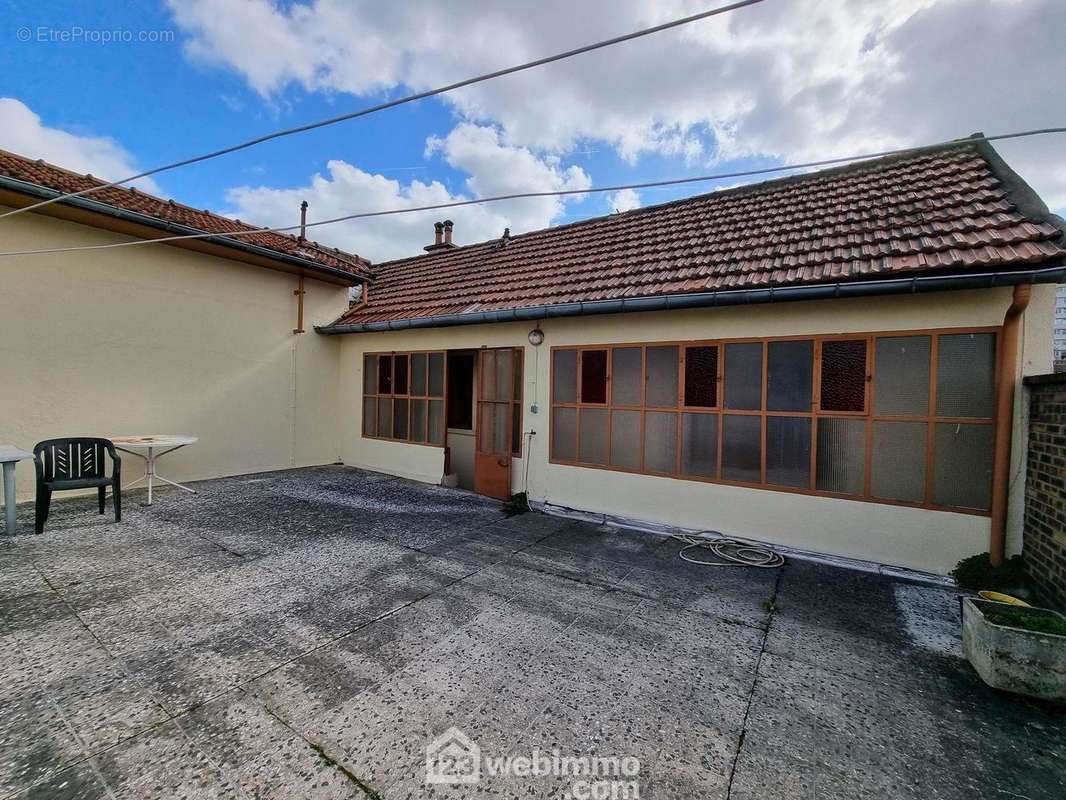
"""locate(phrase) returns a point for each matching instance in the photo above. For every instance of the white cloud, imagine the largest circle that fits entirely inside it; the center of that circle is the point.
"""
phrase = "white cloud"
(787, 80)
(625, 200)
(22, 132)
(495, 168)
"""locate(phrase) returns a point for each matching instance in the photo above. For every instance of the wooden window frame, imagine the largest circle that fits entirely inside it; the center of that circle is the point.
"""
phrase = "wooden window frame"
(516, 401)
(378, 396)
(868, 415)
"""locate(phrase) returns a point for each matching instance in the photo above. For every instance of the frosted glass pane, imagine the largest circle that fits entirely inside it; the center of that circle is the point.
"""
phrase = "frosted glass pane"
(486, 420)
(699, 445)
(625, 439)
(436, 374)
(400, 374)
(504, 374)
(743, 376)
(962, 465)
(516, 428)
(901, 385)
(487, 375)
(965, 375)
(564, 434)
(898, 465)
(844, 375)
(741, 448)
(701, 377)
(418, 374)
(788, 451)
(385, 417)
(841, 455)
(370, 416)
(418, 420)
(660, 440)
(789, 376)
(625, 376)
(662, 377)
(516, 363)
(399, 421)
(592, 448)
(565, 377)
(370, 374)
(436, 421)
(594, 376)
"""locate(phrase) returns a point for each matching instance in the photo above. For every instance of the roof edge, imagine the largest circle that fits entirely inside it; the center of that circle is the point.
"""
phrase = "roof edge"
(1054, 273)
(1018, 190)
(94, 206)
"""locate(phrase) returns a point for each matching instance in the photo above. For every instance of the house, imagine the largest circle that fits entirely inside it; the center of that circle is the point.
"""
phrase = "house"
(813, 361)
(190, 337)
(828, 361)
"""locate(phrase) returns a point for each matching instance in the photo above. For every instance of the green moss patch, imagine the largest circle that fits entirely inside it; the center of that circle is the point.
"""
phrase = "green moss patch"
(1015, 617)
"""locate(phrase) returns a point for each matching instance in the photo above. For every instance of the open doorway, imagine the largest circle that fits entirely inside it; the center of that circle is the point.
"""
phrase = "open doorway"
(462, 375)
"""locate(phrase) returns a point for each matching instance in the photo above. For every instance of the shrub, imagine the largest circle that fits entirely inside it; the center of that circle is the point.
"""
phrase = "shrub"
(976, 573)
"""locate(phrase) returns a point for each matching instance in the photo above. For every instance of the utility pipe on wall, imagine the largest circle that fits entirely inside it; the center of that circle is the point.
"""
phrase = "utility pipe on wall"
(1005, 385)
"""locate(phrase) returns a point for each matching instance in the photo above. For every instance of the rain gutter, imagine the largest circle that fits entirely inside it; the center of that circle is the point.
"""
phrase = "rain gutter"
(715, 299)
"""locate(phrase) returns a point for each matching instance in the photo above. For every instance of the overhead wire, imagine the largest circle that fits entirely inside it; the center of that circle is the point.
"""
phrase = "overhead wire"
(397, 102)
(547, 193)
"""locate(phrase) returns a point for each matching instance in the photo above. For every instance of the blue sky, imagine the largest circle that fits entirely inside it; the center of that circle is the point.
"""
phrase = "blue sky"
(750, 90)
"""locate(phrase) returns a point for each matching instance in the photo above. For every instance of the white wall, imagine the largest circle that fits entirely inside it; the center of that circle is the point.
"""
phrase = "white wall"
(157, 339)
(909, 537)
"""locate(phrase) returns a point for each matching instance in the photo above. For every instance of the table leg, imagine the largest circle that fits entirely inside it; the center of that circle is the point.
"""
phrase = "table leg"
(9, 497)
(150, 468)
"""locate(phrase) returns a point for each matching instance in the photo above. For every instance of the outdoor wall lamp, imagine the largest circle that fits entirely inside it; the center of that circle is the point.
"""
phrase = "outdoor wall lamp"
(536, 337)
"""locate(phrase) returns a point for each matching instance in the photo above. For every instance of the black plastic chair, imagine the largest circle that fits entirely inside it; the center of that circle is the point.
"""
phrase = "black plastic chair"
(68, 464)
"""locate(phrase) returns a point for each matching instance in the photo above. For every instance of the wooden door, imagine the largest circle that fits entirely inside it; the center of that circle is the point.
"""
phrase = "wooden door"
(498, 386)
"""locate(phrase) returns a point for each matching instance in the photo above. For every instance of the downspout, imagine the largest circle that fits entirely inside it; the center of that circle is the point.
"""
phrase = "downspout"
(1005, 386)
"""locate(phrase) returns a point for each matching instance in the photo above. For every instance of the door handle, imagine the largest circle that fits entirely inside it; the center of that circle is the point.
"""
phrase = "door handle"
(503, 462)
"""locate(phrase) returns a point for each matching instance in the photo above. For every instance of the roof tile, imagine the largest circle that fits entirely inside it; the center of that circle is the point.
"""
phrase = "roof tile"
(940, 209)
(62, 180)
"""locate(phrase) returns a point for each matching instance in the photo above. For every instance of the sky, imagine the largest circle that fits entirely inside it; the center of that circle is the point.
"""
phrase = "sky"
(115, 88)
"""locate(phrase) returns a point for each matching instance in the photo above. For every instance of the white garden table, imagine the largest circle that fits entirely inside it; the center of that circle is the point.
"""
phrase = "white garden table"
(10, 456)
(151, 448)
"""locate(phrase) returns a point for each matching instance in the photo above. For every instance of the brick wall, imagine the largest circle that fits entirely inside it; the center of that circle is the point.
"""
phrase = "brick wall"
(1044, 546)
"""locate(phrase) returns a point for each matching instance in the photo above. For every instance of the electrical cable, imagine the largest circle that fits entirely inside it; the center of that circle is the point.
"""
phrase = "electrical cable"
(398, 102)
(553, 193)
(729, 552)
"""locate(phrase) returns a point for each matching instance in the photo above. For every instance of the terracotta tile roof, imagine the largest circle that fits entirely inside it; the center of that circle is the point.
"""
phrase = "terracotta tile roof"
(62, 180)
(952, 209)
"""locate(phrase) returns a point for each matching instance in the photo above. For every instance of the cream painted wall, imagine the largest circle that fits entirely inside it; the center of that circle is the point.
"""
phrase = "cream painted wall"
(157, 339)
(914, 538)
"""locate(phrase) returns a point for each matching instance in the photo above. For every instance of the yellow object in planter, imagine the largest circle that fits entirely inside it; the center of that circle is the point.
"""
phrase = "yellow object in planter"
(999, 597)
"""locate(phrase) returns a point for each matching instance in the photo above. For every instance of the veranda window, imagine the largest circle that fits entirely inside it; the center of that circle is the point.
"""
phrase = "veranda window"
(403, 397)
(899, 418)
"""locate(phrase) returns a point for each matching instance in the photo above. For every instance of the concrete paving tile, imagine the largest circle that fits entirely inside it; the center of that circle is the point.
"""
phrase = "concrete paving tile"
(34, 741)
(606, 542)
(293, 769)
(103, 713)
(78, 782)
(130, 764)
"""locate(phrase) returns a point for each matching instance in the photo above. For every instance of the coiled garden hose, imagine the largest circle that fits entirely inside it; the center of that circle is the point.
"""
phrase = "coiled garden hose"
(730, 552)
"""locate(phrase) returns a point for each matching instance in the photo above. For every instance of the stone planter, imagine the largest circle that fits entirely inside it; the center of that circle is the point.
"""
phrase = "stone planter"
(1013, 659)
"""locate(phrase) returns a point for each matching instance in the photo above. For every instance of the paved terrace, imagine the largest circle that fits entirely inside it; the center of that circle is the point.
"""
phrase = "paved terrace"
(305, 634)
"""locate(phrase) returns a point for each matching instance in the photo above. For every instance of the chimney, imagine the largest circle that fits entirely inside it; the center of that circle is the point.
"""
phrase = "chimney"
(442, 236)
(303, 221)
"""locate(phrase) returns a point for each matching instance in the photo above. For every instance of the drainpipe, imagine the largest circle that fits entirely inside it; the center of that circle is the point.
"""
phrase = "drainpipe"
(1005, 384)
